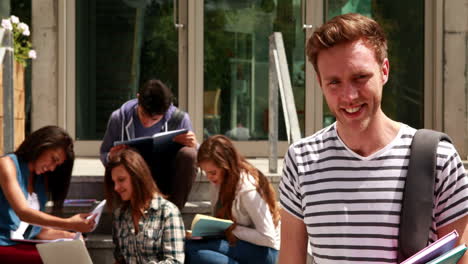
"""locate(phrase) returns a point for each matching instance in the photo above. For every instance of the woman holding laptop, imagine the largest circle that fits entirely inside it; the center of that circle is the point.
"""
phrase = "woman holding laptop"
(39, 169)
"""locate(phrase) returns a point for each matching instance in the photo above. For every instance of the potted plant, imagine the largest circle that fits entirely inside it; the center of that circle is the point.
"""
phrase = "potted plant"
(23, 51)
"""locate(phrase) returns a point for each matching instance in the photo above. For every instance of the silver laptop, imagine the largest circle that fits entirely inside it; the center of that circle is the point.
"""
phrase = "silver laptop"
(70, 252)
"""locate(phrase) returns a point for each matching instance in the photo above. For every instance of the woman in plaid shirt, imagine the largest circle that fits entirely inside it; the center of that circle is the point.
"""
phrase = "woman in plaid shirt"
(147, 228)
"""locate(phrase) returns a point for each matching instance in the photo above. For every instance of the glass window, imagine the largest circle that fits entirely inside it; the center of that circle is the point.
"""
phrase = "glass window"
(119, 45)
(236, 58)
(403, 22)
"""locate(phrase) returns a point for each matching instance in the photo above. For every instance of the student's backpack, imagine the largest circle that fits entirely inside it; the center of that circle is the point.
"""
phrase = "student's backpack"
(418, 196)
(175, 120)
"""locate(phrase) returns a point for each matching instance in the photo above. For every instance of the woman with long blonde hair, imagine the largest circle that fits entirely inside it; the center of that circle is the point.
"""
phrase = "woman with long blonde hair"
(241, 193)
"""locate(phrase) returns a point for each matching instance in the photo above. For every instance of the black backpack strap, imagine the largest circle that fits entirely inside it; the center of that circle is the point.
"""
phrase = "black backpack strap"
(418, 196)
(175, 120)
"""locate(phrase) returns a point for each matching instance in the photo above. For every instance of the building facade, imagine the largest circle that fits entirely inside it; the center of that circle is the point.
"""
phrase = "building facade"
(213, 54)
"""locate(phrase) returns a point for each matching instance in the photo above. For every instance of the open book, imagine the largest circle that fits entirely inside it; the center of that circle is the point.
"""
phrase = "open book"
(432, 251)
(208, 226)
(18, 234)
(158, 143)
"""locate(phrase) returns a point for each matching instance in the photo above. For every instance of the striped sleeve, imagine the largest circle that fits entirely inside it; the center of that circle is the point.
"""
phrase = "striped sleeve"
(451, 190)
(290, 194)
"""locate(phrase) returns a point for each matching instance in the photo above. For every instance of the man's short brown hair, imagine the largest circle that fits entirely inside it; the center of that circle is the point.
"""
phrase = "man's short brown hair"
(343, 29)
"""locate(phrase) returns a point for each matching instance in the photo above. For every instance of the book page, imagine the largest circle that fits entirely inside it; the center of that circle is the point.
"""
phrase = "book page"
(15, 236)
(42, 240)
(204, 225)
(171, 133)
(98, 212)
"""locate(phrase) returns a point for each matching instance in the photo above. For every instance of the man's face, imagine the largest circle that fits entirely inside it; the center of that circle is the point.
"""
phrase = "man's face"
(352, 82)
(146, 119)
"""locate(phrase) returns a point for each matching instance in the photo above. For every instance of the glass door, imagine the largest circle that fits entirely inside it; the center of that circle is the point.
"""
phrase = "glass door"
(213, 54)
(235, 89)
(403, 95)
(120, 45)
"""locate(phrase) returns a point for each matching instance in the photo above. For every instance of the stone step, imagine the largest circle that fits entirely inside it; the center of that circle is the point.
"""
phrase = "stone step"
(92, 187)
(88, 183)
(100, 248)
(99, 242)
(105, 223)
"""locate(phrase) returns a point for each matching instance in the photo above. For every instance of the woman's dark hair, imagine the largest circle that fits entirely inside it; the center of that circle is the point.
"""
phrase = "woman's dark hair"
(143, 184)
(154, 97)
(46, 138)
(220, 150)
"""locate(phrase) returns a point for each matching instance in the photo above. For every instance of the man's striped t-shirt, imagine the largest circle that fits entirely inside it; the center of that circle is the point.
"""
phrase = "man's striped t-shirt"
(351, 204)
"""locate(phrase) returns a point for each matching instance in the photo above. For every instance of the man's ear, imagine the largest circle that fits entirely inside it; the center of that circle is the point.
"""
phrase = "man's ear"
(385, 70)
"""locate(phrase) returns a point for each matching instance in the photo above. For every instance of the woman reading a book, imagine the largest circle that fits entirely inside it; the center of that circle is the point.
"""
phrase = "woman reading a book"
(147, 228)
(240, 193)
(41, 167)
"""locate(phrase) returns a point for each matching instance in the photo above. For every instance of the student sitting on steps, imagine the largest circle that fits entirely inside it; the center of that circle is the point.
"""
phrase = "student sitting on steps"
(41, 167)
(147, 228)
(150, 113)
(241, 193)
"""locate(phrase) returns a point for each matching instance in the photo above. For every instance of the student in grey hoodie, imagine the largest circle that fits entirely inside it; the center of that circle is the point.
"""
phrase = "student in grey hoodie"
(150, 113)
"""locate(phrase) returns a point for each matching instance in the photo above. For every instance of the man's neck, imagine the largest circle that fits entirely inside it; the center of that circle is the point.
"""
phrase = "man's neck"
(371, 139)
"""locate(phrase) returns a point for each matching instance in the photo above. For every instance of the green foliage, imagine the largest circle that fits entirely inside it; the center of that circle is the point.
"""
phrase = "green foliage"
(22, 46)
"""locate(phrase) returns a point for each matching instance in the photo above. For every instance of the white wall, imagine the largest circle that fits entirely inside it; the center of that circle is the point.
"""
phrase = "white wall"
(44, 72)
(455, 65)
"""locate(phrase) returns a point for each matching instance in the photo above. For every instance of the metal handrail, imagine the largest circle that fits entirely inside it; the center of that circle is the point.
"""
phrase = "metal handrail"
(279, 80)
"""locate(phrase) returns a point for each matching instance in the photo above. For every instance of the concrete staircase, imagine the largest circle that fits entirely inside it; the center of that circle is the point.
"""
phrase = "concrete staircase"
(88, 183)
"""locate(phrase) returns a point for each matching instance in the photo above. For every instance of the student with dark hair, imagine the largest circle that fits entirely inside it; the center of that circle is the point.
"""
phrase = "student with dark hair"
(39, 169)
(241, 193)
(150, 113)
(342, 188)
(146, 228)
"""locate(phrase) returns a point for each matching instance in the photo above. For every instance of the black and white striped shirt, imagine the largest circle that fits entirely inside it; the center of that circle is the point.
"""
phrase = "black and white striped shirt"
(351, 204)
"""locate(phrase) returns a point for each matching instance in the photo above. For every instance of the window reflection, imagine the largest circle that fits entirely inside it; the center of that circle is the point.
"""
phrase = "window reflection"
(403, 22)
(236, 51)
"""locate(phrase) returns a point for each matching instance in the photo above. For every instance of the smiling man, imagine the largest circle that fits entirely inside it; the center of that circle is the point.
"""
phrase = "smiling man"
(342, 187)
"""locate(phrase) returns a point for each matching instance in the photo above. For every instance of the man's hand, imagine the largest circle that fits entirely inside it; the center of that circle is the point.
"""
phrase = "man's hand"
(461, 225)
(114, 150)
(188, 139)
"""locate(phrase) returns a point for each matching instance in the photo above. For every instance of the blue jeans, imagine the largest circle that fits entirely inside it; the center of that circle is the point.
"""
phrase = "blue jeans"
(218, 251)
